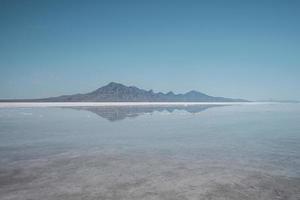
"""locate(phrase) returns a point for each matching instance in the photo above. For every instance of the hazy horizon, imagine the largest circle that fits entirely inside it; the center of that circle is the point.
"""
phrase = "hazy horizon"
(237, 49)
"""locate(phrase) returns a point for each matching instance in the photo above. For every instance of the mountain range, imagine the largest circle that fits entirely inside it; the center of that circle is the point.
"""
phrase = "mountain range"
(117, 92)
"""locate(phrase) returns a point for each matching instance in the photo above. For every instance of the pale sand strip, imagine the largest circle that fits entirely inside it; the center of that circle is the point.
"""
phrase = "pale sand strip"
(91, 104)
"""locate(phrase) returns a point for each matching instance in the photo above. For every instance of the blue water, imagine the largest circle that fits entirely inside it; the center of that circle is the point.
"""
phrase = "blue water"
(261, 137)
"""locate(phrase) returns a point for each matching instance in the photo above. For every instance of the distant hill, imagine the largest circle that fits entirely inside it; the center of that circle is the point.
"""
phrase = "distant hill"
(116, 92)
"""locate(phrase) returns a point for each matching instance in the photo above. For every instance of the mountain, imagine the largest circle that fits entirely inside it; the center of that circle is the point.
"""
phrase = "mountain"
(116, 92)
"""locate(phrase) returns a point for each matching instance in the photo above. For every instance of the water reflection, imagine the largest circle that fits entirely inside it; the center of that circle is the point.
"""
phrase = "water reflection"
(116, 113)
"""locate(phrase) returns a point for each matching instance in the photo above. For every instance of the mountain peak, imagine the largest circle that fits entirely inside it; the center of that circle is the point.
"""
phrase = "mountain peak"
(194, 92)
(109, 86)
(170, 93)
(114, 84)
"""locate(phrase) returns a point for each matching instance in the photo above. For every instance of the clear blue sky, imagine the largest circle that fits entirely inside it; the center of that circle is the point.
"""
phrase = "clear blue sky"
(247, 49)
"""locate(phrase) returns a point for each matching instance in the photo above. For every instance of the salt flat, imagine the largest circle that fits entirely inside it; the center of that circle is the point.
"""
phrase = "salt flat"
(239, 151)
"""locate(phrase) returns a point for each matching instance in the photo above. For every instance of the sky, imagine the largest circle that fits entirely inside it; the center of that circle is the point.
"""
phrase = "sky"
(242, 49)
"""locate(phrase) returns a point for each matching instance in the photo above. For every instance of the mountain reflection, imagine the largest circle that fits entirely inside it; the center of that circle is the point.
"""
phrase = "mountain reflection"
(116, 113)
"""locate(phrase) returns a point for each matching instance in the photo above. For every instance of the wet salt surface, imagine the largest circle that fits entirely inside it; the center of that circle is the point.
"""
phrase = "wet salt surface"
(195, 152)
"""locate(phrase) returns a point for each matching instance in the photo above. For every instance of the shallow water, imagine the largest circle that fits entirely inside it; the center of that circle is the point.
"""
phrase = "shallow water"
(148, 152)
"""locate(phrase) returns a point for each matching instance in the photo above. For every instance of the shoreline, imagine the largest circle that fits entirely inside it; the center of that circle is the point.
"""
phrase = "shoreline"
(100, 104)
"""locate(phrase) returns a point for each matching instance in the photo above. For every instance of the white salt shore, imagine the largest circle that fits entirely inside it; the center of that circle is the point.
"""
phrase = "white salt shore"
(97, 104)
